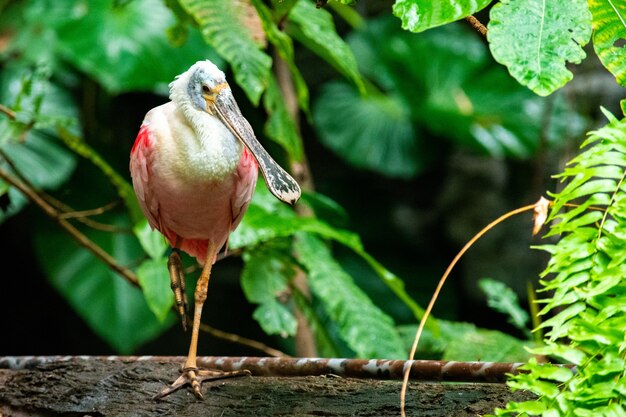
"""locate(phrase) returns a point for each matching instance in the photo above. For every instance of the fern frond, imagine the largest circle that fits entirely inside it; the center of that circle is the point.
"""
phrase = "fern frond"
(585, 313)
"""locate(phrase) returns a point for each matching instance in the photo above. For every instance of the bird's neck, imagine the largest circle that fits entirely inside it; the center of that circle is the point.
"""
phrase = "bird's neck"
(209, 149)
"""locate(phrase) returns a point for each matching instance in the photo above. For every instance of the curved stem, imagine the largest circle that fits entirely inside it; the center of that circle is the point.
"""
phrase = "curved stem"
(458, 256)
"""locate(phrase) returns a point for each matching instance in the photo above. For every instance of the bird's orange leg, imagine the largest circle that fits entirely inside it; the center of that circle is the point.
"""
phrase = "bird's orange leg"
(190, 372)
(177, 283)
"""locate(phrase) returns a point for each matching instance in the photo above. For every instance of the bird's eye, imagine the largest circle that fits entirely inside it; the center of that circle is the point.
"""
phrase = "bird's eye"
(206, 89)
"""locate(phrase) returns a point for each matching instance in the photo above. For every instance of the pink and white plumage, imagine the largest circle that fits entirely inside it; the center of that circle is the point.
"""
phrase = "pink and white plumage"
(193, 188)
(194, 167)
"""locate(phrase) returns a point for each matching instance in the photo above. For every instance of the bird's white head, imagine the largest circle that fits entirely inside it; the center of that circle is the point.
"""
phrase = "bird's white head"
(198, 86)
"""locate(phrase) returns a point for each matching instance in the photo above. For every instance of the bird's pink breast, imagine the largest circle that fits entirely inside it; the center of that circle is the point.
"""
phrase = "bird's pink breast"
(189, 211)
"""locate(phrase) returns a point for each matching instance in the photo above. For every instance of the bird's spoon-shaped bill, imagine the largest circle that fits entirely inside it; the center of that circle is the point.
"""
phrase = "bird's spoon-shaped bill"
(279, 182)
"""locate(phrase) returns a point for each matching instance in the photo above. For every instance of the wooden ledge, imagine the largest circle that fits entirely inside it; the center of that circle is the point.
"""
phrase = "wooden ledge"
(124, 387)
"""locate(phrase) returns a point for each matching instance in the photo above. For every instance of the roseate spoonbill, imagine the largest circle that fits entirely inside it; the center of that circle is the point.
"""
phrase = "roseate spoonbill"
(194, 167)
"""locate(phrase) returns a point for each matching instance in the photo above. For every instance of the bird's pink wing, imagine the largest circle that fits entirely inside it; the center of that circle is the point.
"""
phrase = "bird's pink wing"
(247, 171)
(140, 162)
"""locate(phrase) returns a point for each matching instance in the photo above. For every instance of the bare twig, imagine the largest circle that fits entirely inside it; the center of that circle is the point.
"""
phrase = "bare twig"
(81, 216)
(235, 338)
(7, 111)
(91, 212)
(66, 211)
(83, 240)
(431, 304)
(477, 25)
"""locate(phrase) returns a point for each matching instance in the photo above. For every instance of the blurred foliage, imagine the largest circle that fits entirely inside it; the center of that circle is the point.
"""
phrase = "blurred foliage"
(443, 81)
(460, 341)
(383, 99)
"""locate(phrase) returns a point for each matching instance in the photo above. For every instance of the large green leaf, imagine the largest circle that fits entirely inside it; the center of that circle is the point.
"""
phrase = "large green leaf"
(609, 34)
(368, 331)
(276, 318)
(112, 307)
(45, 163)
(151, 240)
(419, 15)
(266, 274)
(373, 131)
(221, 24)
(154, 279)
(314, 28)
(535, 39)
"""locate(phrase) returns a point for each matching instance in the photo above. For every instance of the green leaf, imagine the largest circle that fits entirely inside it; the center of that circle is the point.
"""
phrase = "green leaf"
(282, 7)
(314, 28)
(221, 26)
(419, 15)
(266, 274)
(152, 241)
(368, 331)
(609, 35)
(568, 353)
(112, 307)
(123, 47)
(549, 371)
(154, 279)
(585, 280)
(535, 39)
(503, 299)
(373, 132)
(276, 318)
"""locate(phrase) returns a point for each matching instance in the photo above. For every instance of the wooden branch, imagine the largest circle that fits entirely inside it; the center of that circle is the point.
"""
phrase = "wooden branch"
(477, 25)
(7, 112)
(83, 240)
(124, 386)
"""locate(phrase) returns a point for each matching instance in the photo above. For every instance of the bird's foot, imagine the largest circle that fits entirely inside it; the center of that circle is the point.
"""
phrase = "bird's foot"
(177, 282)
(195, 377)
